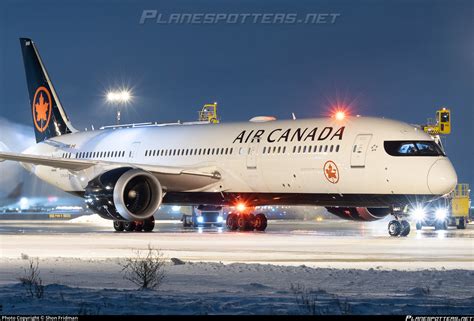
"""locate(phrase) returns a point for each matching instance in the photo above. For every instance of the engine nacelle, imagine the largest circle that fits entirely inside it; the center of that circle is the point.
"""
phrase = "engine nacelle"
(359, 213)
(124, 194)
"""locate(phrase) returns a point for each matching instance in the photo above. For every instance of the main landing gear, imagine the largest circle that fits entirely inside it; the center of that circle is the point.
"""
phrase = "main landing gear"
(135, 226)
(398, 227)
(246, 222)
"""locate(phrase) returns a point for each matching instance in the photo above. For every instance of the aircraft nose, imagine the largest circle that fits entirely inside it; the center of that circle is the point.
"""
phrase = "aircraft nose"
(442, 178)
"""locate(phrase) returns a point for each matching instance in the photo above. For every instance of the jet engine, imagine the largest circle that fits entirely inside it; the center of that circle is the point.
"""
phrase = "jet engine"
(359, 213)
(124, 194)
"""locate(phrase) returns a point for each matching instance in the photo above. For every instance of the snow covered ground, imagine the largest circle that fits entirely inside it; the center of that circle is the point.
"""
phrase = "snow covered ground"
(344, 268)
(79, 286)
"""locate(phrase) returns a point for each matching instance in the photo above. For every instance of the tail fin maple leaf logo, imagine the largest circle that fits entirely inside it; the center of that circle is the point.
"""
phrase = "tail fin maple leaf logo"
(331, 172)
(42, 108)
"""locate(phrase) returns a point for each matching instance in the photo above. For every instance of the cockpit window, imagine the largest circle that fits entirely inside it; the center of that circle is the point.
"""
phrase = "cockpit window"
(406, 149)
(412, 148)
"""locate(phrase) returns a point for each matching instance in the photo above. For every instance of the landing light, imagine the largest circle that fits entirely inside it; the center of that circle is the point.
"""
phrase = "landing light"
(441, 214)
(419, 213)
(200, 219)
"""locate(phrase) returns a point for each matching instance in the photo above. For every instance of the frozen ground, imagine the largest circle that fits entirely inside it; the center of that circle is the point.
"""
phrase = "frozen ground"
(78, 286)
(345, 268)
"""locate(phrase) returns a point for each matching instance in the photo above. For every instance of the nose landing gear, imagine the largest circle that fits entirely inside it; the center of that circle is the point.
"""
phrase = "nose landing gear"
(398, 228)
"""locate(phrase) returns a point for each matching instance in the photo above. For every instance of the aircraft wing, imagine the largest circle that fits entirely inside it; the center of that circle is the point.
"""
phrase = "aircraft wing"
(82, 164)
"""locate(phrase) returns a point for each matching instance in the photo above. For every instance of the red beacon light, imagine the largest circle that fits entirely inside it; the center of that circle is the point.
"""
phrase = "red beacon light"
(340, 115)
(240, 207)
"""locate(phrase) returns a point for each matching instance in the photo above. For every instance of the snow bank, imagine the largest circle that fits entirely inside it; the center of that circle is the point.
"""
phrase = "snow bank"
(75, 286)
(91, 219)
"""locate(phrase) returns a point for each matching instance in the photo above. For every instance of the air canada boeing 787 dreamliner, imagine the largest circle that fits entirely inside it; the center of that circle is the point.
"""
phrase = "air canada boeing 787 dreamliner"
(359, 168)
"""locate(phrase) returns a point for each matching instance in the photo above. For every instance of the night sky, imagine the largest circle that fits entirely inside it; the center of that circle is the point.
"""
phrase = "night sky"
(394, 59)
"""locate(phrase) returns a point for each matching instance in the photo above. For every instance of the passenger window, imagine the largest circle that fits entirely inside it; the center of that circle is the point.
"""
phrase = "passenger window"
(325, 148)
(337, 148)
(331, 148)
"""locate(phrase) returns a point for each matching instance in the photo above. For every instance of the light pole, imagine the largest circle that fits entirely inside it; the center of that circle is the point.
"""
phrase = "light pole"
(118, 97)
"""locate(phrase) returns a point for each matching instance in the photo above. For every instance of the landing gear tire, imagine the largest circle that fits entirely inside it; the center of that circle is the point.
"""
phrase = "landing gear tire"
(260, 222)
(129, 226)
(405, 228)
(231, 222)
(149, 225)
(419, 226)
(244, 223)
(118, 226)
(139, 226)
(461, 224)
(394, 228)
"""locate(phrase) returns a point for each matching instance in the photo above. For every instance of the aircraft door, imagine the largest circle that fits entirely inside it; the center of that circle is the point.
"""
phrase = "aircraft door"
(252, 156)
(134, 151)
(359, 150)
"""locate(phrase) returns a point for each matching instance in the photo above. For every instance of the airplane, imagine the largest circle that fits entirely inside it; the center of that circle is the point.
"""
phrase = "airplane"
(13, 197)
(49, 202)
(359, 168)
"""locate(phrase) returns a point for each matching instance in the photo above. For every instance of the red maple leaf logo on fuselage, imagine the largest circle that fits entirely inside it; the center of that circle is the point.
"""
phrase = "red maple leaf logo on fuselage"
(331, 173)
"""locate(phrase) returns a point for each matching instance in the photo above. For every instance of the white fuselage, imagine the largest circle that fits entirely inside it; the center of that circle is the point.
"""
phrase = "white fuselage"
(273, 158)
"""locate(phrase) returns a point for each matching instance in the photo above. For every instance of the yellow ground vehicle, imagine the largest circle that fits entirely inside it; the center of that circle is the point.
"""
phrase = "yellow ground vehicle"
(460, 204)
(441, 125)
(208, 113)
(452, 210)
